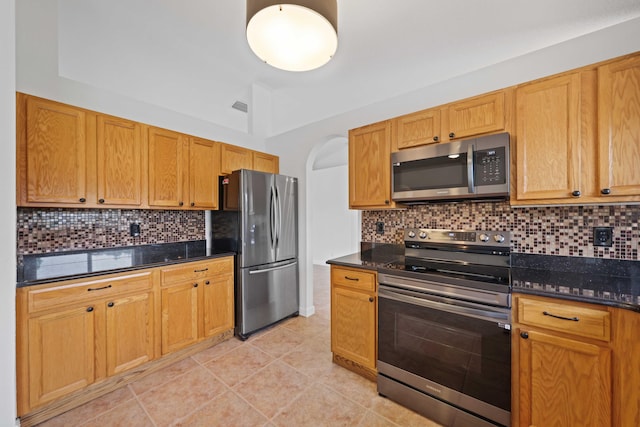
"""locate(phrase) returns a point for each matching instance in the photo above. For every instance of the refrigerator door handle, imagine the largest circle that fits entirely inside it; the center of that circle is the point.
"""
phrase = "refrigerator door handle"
(272, 218)
(278, 216)
(280, 267)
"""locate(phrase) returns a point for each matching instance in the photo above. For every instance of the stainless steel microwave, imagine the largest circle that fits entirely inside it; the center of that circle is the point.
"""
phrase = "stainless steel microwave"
(466, 169)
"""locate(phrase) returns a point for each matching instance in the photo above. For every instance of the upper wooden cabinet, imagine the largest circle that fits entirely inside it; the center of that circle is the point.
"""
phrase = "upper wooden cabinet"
(119, 157)
(370, 166)
(619, 129)
(475, 116)
(166, 167)
(420, 128)
(264, 162)
(204, 163)
(479, 115)
(548, 144)
(72, 157)
(233, 158)
(577, 136)
(52, 153)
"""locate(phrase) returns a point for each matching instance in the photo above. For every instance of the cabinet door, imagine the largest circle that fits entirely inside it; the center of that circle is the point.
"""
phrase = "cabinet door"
(370, 166)
(563, 382)
(353, 325)
(619, 128)
(548, 138)
(203, 173)
(56, 161)
(475, 116)
(419, 128)
(61, 353)
(119, 161)
(129, 333)
(217, 302)
(264, 162)
(179, 316)
(166, 168)
(233, 158)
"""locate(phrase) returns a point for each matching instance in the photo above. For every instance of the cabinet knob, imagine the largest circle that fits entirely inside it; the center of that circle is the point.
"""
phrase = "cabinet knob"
(386, 202)
(89, 309)
(576, 193)
(207, 282)
(100, 200)
(82, 200)
(111, 304)
(452, 135)
(193, 203)
(195, 285)
(524, 335)
(435, 138)
(371, 299)
(605, 191)
(181, 204)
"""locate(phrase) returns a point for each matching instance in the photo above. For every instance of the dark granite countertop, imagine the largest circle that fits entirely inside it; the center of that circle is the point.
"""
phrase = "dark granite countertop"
(52, 267)
(609, 282)
(372, 256)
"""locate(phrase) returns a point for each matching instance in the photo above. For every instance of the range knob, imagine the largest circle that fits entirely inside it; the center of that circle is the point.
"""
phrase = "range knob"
(412, 234)
(423, 235)
(499, 238)
(483, 237)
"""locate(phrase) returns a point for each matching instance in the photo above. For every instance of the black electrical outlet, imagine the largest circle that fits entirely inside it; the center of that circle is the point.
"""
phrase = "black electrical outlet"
(379, 227)
(134, 230)
(603, 236)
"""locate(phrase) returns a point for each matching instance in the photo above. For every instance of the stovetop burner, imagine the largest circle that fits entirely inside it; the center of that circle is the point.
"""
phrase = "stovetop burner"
(480, 255)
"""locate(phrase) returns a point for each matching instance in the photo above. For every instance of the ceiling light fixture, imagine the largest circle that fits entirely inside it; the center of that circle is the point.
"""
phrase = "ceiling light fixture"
(297, 36)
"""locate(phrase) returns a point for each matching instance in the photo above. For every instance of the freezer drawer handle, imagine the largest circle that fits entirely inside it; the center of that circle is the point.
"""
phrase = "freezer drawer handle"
(273, 268)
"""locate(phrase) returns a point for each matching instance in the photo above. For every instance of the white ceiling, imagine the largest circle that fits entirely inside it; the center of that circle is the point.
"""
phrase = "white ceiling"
(192, 57)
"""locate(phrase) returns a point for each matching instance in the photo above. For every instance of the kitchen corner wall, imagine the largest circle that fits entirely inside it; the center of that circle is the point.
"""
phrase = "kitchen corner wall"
(50, 230)
(551, 230)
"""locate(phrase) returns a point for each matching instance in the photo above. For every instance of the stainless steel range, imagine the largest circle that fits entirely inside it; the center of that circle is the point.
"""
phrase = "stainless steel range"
(444, 331)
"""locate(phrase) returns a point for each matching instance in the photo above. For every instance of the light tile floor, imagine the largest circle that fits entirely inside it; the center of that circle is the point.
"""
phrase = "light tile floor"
(282, 376)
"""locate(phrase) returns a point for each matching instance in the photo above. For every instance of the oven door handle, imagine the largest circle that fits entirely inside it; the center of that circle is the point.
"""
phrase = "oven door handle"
(500, 317)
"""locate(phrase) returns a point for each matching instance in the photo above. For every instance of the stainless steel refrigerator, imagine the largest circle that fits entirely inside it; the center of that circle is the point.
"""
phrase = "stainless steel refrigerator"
(258, 219)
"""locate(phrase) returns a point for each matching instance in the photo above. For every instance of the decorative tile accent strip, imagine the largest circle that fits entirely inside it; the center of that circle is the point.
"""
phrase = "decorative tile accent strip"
(54, 230)
(551, 230)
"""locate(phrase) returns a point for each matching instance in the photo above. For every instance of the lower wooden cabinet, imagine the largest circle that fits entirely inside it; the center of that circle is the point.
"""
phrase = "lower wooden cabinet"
(573, 364)
(354, 319)
(77, 334)
(197, 302)
(74, 333)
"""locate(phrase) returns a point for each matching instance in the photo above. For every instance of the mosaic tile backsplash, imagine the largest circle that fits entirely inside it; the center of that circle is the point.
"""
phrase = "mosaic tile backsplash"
(54, 230)
(550, 230)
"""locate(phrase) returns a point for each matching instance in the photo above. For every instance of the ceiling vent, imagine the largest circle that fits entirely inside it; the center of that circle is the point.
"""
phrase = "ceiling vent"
(240, 106)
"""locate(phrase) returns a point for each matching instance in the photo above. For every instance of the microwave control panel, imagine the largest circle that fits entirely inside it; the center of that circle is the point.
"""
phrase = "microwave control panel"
(490, 166)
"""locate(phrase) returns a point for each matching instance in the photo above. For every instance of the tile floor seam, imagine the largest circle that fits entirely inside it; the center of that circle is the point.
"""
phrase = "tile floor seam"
(146, 412)
(269, 419)
(208, 402)
(292, 401)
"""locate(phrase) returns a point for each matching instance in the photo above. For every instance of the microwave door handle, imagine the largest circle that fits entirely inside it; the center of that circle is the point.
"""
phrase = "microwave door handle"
(470, 183)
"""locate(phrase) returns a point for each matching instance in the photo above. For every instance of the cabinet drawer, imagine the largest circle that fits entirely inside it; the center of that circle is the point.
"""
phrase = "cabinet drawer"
(196, 270)
(569, 318)
(79, 291)
(354, 278)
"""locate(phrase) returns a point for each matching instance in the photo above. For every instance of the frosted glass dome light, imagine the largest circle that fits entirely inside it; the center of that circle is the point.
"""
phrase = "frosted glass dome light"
(293, 37)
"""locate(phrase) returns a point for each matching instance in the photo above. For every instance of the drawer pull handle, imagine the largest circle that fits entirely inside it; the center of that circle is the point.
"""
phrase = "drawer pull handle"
(98, 289)
(573, 319)
(200, 271)
(355, 279)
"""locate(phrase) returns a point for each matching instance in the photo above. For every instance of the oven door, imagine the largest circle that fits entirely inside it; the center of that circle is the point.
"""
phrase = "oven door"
(455, 351)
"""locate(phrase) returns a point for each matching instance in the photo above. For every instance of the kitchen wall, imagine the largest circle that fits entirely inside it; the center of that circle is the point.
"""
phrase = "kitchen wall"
(48, 230)
(552, 230)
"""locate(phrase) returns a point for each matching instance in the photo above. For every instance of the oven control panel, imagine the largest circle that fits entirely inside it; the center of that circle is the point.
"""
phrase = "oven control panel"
(465, 237)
